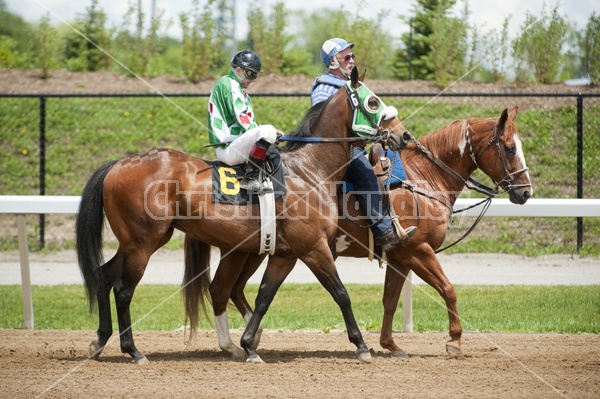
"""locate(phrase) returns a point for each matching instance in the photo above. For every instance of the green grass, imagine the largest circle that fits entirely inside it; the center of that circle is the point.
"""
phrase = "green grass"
(84, 133)
(566, 309)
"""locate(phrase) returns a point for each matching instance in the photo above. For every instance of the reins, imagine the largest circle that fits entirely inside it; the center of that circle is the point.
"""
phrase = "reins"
(328, 139)
(470, 183)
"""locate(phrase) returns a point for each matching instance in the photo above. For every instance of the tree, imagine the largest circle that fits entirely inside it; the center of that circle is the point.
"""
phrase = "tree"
(87, 47)
(15, 28)
(203, 42)
(591, 58)
(495, 47)
(137, 50)
(539, 45)
(8, 54)
(415, 60)
(373, 46)
(267, 36)
(45, 47)
(448, 48)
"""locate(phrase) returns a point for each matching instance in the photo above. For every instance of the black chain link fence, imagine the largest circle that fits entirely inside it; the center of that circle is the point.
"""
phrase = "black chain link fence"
(50, 144)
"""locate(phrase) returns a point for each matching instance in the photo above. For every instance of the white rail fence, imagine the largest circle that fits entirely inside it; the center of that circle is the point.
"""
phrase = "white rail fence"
(21, 205)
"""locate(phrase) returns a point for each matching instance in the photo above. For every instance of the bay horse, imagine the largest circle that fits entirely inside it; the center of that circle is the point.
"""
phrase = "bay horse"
(145, 197)
(438, 166)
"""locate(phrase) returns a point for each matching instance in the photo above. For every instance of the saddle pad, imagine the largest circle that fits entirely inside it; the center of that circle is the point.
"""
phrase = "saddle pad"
(398, 172)
(226, 187)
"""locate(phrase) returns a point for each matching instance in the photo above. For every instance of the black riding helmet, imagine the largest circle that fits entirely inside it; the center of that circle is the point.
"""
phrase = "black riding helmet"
(249, 61)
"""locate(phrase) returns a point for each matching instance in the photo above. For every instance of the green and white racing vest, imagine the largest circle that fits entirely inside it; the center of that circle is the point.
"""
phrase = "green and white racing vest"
(229, 110)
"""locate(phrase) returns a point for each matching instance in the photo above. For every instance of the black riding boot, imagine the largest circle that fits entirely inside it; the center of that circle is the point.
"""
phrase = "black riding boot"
(251, 180)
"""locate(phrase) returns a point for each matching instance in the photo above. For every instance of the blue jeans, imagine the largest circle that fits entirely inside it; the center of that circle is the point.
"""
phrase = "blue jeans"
(361, 174)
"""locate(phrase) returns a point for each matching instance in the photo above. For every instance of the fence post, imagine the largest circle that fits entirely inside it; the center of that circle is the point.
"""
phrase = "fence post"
(407, 310)
(42, 164)
(25, 273)
(579, 166)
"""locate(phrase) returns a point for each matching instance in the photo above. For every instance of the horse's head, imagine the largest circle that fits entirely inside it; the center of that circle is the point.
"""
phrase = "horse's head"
(372, 118)
(502, 159)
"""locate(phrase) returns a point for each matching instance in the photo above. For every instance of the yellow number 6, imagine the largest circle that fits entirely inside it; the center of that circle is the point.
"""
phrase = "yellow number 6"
(227, 175)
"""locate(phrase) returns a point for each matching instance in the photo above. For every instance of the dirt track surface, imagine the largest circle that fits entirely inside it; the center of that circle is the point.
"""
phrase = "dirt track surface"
(300, 364)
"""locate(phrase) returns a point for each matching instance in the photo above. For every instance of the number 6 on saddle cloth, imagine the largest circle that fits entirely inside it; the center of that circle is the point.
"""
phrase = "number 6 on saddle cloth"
(226, 181)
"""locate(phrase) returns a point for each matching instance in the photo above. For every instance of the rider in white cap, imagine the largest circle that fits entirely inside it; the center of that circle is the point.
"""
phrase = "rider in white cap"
(338, 57)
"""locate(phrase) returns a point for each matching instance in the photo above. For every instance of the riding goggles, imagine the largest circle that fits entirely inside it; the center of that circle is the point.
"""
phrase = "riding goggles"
(250, 74)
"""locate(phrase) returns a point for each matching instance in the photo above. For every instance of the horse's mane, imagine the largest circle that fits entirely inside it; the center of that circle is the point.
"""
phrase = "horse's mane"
(447, 136)
(305, 126)
(443, 137)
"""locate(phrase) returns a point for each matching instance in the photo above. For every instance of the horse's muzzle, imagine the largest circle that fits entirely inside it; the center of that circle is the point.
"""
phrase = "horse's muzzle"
(399, 142)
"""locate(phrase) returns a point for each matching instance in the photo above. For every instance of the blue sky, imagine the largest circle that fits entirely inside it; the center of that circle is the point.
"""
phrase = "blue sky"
(485, 14)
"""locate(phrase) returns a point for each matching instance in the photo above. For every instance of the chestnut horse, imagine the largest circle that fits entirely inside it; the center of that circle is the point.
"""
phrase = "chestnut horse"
(438, 167)
(145, 197)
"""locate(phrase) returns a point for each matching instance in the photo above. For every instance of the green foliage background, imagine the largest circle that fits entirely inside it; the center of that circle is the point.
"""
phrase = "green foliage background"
(439, 46)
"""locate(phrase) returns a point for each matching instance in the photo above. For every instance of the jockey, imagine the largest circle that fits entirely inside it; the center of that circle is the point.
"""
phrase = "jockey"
(338, 58)
(231, 123)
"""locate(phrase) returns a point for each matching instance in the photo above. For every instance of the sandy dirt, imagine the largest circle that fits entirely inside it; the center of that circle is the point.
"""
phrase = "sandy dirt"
(55, 364)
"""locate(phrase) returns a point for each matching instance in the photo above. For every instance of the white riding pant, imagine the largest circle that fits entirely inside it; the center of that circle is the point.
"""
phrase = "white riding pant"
(238, 151)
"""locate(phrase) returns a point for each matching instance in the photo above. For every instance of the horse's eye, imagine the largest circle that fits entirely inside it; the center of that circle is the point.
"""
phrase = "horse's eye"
(511, 149)
(373, 103)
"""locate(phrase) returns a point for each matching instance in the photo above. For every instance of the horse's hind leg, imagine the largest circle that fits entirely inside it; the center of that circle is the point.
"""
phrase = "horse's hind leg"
(134, 264)
(428, 268)
(277, 270)
(110, 271)
(395, 275)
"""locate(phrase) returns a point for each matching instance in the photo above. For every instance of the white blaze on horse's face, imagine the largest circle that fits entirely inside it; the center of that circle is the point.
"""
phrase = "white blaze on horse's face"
(520, 154)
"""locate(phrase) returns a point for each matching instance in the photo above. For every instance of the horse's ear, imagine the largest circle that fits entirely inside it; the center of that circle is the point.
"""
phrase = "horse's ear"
(502, 121)
(513, 113)
(362, 77)
(354, 77)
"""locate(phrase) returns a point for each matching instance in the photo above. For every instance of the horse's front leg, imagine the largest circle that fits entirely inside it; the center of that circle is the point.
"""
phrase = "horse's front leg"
(278, 269)
(427, 266)
(237, 294)
(322, 265)
(395, 276)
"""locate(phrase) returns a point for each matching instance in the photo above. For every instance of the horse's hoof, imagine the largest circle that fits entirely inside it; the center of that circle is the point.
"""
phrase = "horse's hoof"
(364, 357)
(141, 361)
(95, 350)
(399, 354)
(453, 350)
(237, 353)
(254, 359)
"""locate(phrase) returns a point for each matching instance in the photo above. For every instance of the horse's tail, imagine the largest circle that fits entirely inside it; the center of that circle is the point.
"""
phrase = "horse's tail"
(88, 230)
(196, 280)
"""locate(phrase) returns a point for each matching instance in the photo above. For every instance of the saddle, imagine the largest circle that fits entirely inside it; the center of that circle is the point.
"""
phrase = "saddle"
(385, 159)
(226, 178)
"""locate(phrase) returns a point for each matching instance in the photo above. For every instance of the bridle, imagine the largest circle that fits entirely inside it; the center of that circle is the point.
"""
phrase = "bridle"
(507, 182)
(383, 134)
